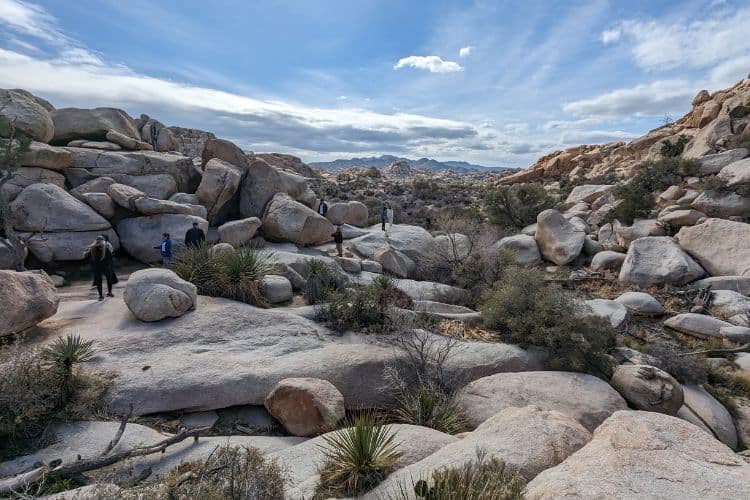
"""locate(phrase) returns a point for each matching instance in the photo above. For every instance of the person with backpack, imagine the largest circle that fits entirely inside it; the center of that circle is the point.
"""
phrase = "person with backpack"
(323, 207)
(338, 238)
(194, 236)
(165, 249)
(100, 257)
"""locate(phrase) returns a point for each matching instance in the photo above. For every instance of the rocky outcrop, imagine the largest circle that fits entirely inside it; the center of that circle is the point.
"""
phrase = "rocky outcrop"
(26, 114)
(91, 124)
(139, 235)
(46, 156)
(559, 240)
(289, 220)
(637, 454)
(218, 189)
(615, 313)
(394, 262)
(608, 261)
(658, 260)
(716, 204)
(713, 163)
(225, 151)
(697, 325)
(648, 388)
(155, 294)
(306, 406)
(263, 182)
(702, 409)
(721, 246)
(25, 299)
(585, 398)
(523, 248)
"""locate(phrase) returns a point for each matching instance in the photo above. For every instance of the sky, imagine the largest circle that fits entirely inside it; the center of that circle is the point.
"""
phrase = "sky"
(498, 83)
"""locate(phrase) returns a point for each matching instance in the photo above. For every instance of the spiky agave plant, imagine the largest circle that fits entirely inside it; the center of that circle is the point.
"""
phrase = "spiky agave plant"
(196, 265)
(358, 457)
(241, 273)
(63, 354)
(429, 406)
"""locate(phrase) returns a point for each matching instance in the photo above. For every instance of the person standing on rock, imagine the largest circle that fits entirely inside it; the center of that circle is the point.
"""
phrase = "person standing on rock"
(389, 214)
(165, 249)
(194, 236)
(323, 207)
(338, 238)
(384, 216)
(100, 257)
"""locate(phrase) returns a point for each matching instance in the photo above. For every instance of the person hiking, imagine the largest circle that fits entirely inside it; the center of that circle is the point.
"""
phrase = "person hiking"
(165, 249)
(338, 238)
(384, 216)
(112, 251)
(323, 207)
(194, 236)
(100, 257)
(389, 215)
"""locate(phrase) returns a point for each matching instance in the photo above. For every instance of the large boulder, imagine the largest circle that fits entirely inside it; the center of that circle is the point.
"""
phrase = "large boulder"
(608, 260)
(736, 173)
(679, 218)
(394, 262)
(101, 202)
(124, 195)
(624, 235)
(637, 454)
(720, 204)
(27, 115)
(727, 303)
(414, 241)
(739, 284)
(154, 206)
(160, 186)
(352, 212)
(227, 353)
(721, 246)
(640, 304)
(559, 240)
(24, 177)
(276, 289)
(712, 164)
(289, 220)
(139, 235)
(658, 260)
(704, 410)
(697, 325)
(306, 406)
(126, 142)
(588, 193)
(523, 248)
(25, 299)
(263, 182)
(615, 313)
(155, 294)
(91, 124)
(648, 388)
(527, 439)
(583, 397)
(45, 156)
(49, 208)
(225, 151)
(66, 245)
(218, 189)
(239, 232)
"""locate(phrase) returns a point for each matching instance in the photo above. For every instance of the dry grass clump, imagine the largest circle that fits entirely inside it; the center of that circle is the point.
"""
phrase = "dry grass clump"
(459, 330)
(227, 474)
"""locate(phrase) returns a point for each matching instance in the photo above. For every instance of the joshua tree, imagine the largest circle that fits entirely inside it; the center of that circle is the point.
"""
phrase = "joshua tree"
(12, 145)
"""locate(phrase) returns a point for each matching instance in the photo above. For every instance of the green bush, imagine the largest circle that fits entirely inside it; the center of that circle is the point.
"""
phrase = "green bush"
(358, 308)
(427, 405)
(518, 205)
(63, 354)
(638, 195)
(231, 275)
(228, 473)
(528, 310)
(674, 149)
(321, 281)
(479, 480)
(357, 458)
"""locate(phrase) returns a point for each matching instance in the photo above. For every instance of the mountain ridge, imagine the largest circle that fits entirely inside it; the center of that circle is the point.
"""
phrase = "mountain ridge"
(384, 161)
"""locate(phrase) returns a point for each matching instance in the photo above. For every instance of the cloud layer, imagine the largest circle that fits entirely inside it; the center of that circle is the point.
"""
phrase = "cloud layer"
(433, 64)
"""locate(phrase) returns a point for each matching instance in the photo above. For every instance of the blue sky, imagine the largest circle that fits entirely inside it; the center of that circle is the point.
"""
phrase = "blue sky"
(491, 82)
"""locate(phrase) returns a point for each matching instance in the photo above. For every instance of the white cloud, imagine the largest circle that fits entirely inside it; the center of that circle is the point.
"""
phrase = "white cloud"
(652, 99)
(29, 19)
(465, 51)
(669, 44)
(433, 64)
(611, 36)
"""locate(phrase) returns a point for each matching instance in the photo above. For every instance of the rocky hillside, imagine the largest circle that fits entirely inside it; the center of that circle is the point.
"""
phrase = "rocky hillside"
(711, 126)
(384, 161)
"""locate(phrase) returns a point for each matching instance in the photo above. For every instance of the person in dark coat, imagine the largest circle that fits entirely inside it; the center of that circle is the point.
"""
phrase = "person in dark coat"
(194, 236)
(338, 238)
(323, 207)
(100, 257)
(384, 216)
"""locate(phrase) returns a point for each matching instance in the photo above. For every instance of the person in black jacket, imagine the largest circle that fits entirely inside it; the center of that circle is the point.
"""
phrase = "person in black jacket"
(100, 257)
(194, 236)
(338, 238)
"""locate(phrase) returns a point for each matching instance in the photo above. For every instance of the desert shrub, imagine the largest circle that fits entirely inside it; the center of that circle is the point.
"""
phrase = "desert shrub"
(389, 295)
(358, 308)
(638, 195)
(480, 271)
(228, 473)
(357, 458)
(528, 310)
(428, 405)
(63, 354)
(714, 183)
(321, 281)
(517, 205)
(481, 479)
(674, 149)
(231, 275)
(685, 369)
(740, 141)
(736, 383)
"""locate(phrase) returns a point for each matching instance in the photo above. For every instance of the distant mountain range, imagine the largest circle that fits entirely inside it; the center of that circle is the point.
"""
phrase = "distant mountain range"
(385, 160)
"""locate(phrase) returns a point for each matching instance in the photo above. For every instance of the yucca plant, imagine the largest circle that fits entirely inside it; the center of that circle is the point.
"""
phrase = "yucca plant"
(358, 457)
(429, 406)
(241, 271)
(63, 354)
(479, 480)
(196, 265)
(321, 280)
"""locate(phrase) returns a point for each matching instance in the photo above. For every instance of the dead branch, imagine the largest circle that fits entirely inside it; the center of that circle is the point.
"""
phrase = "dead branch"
(22, 481)
(742, 348)
(119, 433)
